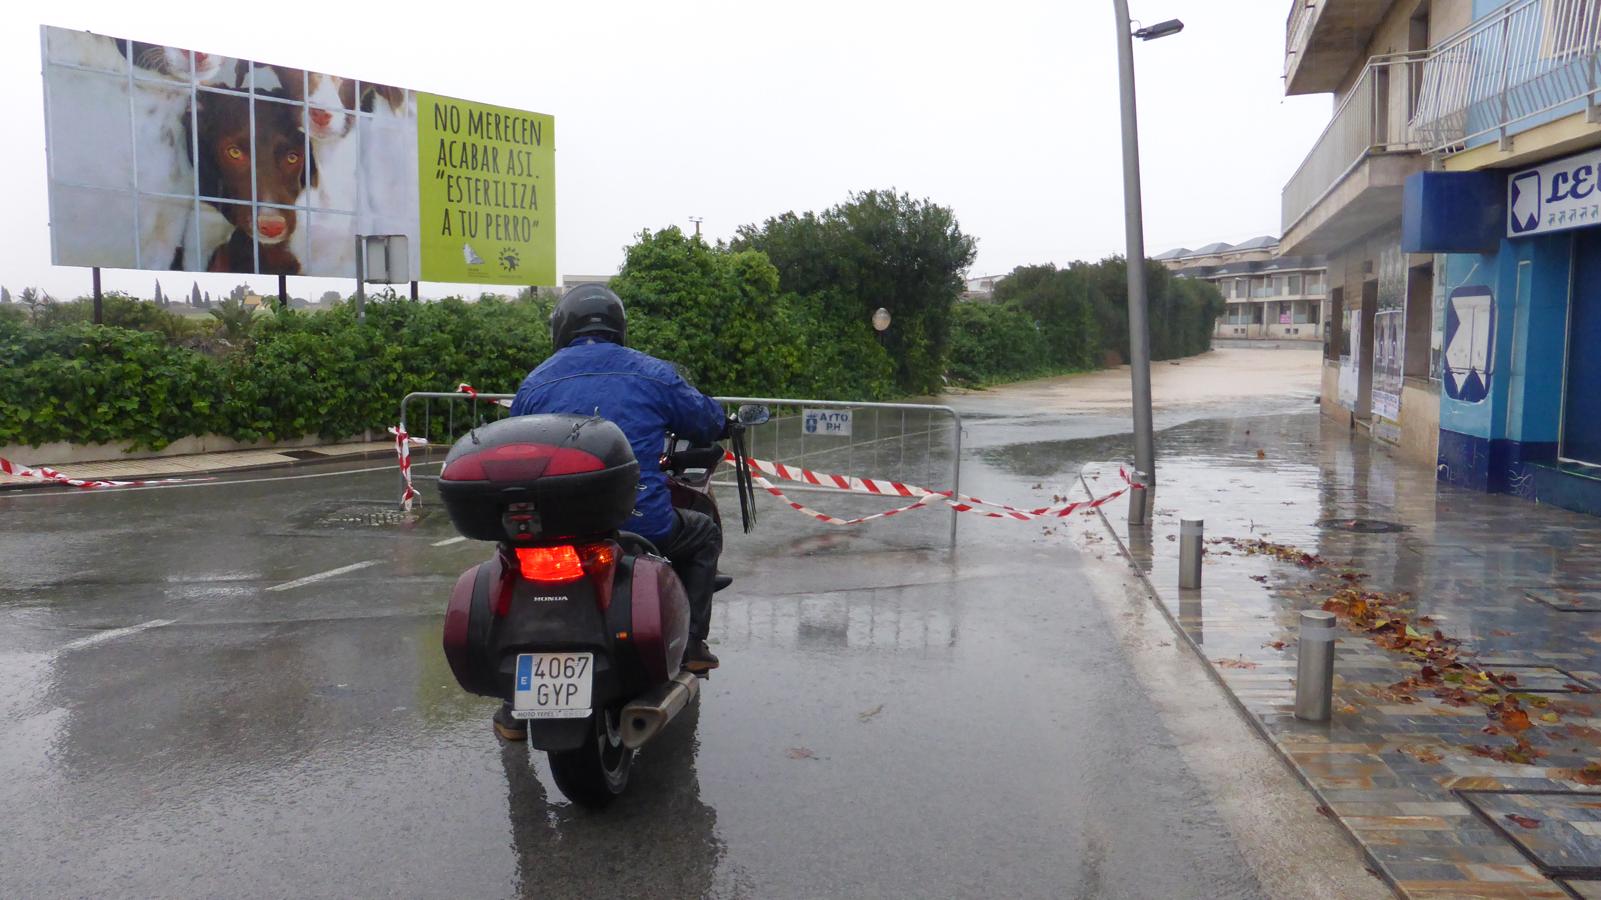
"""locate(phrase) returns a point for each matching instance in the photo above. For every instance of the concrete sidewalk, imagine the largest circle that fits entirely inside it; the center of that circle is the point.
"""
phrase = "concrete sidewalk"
(1463, 753)
(200, 463)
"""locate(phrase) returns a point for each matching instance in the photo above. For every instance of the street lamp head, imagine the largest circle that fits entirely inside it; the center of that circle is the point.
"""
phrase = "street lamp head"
(1159, 30)
(881, 319)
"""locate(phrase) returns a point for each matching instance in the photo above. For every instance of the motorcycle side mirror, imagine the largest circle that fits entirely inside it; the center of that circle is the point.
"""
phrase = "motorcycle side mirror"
(753, 414)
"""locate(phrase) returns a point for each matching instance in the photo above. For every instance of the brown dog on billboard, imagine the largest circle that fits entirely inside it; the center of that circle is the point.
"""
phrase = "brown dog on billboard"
(166, 158)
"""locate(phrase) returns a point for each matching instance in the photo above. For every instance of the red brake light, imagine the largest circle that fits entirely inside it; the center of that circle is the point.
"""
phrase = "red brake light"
(557, 564)
(566, 563)
(521, 462)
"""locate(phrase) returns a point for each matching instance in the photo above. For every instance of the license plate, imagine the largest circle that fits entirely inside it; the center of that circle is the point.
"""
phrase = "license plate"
(553, 685)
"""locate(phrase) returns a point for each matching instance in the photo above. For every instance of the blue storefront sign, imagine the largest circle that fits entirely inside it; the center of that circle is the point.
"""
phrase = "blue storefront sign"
(1555, 196)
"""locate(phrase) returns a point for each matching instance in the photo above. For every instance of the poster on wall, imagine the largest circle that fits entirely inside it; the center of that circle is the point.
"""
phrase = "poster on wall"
(1351, 362)
(1389, 333)
(1389, 330)
(169, 158)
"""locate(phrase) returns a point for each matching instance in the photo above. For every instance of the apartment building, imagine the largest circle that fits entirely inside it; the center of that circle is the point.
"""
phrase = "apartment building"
(1457, 195)
(1268, 296)
(1344, 203)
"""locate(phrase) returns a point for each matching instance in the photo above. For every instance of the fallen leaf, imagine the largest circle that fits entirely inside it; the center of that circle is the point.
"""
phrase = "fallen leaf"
(1578, 688)
(1501, 632)
(867, 715)
(1325, 811)
(1553, 718)
(1261, 454)
(801, 753)
(1276, 645)
(1261, 579)
(1523, 821)
(1516, 720)
(1235, 664)
(1422, 753)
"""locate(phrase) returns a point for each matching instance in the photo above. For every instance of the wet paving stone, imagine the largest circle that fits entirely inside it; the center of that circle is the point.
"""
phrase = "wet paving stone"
(1512, 581)
(1560, 831)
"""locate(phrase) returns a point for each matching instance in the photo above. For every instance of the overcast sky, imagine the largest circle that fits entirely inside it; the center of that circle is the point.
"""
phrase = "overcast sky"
(1005, 111)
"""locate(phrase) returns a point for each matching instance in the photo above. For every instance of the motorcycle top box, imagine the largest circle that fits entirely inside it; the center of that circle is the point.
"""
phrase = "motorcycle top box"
(539, 478)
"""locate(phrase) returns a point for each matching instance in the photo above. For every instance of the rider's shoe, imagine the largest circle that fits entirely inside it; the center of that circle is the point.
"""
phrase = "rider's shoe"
(507, 728)
(699, 658)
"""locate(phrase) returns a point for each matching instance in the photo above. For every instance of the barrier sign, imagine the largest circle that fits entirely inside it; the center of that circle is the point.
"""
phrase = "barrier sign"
(835, 422)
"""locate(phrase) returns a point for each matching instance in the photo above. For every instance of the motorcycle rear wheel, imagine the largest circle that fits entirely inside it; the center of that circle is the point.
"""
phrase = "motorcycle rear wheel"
(597, 772)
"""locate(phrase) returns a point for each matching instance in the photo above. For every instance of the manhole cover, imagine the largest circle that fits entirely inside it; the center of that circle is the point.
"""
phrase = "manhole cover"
(1362, 526)
(1559, 831)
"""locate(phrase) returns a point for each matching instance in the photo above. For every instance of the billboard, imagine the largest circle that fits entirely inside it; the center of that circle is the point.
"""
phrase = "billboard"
(166, 158)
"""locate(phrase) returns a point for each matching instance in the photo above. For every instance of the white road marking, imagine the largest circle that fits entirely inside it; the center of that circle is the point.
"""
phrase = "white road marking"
(311, 579)
(112, 634)
(448, 541)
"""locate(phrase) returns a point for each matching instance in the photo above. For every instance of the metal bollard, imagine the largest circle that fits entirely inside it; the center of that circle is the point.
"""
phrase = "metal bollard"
(1190, 531)
(1137, 500)
(1314, 670)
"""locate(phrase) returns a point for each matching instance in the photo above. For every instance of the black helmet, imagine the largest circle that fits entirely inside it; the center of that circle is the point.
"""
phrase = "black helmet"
(588, 309)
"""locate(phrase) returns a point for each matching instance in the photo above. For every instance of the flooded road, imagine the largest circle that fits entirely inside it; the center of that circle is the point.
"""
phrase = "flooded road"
(237, 688)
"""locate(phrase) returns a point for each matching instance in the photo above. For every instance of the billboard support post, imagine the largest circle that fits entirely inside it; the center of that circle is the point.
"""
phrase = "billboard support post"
(414, 290)
(283, 292)
(361, 278)
(99, 312)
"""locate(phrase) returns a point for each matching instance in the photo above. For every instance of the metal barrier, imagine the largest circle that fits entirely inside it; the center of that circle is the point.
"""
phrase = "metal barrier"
(878, 446)
(902, 441)
(445, 429)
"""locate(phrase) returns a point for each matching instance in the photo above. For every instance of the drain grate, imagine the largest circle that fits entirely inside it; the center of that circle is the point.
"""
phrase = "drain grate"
(356, 515)
(1362, 526)
(303, 454)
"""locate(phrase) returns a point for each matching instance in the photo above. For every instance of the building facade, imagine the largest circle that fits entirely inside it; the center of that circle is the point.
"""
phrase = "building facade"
(1457, 194)
(1510, 114)
(1382, 348)
(1268, 296)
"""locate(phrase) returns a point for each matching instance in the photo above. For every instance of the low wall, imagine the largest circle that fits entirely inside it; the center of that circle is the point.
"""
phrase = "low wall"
(60, 453)
(1420, 421)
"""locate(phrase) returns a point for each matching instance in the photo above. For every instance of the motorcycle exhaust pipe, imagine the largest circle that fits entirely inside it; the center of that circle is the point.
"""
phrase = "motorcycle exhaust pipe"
(644, 718)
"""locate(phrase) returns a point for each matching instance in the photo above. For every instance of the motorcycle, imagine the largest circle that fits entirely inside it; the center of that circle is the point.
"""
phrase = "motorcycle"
(578, 624)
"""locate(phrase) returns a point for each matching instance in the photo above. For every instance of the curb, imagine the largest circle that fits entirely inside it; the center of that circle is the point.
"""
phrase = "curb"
(1373, 863)
(39, 484)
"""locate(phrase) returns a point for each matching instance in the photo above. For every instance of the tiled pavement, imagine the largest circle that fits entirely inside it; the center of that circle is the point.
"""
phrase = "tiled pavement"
(1518, 584)
(197, 464)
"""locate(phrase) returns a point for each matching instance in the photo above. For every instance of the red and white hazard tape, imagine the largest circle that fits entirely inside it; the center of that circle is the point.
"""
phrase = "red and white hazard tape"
(45, 473)
(403, 444)
(878, 487)
(472, 393)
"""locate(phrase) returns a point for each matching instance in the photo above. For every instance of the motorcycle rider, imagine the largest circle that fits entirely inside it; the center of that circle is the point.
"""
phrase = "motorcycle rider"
(594, 372)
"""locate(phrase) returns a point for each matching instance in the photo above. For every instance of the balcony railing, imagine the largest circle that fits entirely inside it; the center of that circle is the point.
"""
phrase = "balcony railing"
(1526, 60)
(1374, 118)
(1297, 30)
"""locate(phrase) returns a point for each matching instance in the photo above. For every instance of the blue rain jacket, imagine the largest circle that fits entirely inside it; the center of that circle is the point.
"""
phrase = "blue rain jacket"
(644, 396)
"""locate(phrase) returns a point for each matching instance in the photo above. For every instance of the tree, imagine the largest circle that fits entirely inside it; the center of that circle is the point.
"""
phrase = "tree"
(36, 301)
(878, 249)
(206, 301)
(329, 298)
(713, 311)
(194, 295)
(5, 295)
(234, 320)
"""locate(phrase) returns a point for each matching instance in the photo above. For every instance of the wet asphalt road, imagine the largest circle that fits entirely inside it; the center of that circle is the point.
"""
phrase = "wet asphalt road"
(183, 714)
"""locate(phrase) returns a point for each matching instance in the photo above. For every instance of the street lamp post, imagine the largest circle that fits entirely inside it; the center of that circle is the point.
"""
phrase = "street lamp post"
(1139, 330)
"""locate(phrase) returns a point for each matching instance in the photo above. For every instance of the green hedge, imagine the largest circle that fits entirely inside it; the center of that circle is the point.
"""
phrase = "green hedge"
(736, 320)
